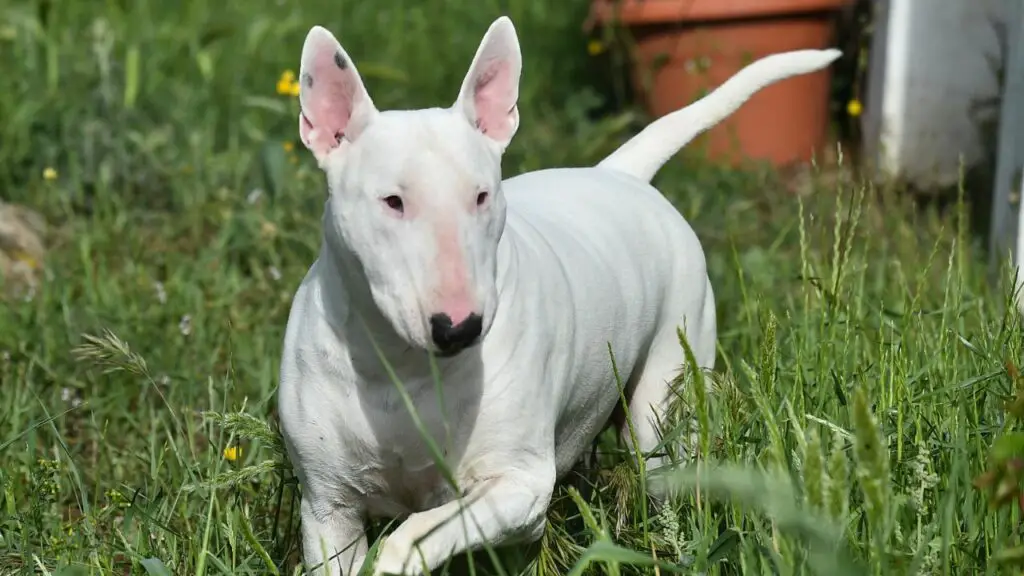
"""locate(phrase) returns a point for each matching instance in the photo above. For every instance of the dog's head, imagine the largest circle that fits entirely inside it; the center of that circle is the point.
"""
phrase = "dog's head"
(416, 195)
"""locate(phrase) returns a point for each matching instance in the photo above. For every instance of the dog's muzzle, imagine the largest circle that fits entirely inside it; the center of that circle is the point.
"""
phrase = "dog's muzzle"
(449, 339)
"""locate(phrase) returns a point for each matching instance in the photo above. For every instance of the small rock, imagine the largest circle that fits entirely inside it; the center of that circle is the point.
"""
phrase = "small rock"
(22, 249)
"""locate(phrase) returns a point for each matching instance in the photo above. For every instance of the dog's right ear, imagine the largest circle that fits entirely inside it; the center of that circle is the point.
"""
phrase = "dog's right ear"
(334, 102)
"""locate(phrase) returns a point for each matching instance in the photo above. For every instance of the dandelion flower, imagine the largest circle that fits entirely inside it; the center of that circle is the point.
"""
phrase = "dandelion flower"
(286, 84)
(595, 47)
(49, 174)
(854, 108)
(288, 146)
(232, 453)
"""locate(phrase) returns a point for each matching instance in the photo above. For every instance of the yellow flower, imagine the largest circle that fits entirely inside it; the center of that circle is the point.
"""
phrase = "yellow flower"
(232, 453)
(49, 174)
(286, 84)
(854, 108)
(595, 47)
(288, 146)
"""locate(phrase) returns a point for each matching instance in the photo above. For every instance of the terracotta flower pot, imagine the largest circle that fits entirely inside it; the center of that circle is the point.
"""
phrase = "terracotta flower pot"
(685, 48)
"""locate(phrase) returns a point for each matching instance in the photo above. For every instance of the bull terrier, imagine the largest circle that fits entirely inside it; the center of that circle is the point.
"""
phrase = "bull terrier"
(446, 357)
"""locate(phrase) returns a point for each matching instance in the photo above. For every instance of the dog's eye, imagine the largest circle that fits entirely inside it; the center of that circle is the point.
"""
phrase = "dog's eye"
(395, 203)
(481, 198)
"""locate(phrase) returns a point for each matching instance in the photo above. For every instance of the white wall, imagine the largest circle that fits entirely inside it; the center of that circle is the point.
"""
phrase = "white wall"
(933, 66)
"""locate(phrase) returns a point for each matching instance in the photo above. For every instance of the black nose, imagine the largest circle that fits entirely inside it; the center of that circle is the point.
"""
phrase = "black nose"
(453, 339)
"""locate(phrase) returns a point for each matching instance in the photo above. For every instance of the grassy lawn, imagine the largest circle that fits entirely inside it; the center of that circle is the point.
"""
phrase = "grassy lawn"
(867, 365)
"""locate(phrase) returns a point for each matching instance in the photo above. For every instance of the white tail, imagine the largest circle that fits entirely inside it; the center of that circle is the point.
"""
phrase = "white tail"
(644, 154)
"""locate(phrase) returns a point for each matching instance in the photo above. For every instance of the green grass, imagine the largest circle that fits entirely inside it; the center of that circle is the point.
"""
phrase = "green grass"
(866, 356)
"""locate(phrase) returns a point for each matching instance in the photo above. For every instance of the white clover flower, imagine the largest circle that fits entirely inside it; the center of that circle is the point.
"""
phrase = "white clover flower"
(185, 325)
(161, 292)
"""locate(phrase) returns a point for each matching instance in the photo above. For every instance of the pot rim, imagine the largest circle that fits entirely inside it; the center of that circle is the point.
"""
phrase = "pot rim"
(638, 12)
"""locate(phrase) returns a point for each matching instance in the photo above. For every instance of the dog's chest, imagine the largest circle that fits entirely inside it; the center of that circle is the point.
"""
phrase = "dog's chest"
(403, 488)
(403, 472)
(406, 476)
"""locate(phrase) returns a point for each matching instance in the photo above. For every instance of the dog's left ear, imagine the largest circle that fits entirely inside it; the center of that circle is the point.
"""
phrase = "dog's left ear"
(491, 88)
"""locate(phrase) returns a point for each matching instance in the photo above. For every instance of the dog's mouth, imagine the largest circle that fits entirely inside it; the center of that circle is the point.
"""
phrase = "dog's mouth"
(452, 351)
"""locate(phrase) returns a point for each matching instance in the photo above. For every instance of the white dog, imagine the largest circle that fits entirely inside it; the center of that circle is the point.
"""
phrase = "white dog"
(516, 287)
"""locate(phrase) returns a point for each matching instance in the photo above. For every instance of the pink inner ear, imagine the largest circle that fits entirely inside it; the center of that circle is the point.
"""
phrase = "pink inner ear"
(329, 89)
(494, 96)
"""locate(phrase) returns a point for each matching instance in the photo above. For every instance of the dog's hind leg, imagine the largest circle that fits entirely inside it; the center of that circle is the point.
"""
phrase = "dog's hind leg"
(649, 404)
(652, 388)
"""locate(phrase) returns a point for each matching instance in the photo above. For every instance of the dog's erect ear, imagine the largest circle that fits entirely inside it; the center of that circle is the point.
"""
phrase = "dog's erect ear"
(334, 101)
(491, 88)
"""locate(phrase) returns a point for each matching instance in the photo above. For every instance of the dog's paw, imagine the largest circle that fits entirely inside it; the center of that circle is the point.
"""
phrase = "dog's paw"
(397, 558)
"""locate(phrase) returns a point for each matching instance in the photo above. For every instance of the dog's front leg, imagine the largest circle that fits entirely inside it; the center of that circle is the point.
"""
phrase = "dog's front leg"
(500, 510)
(333, 539)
